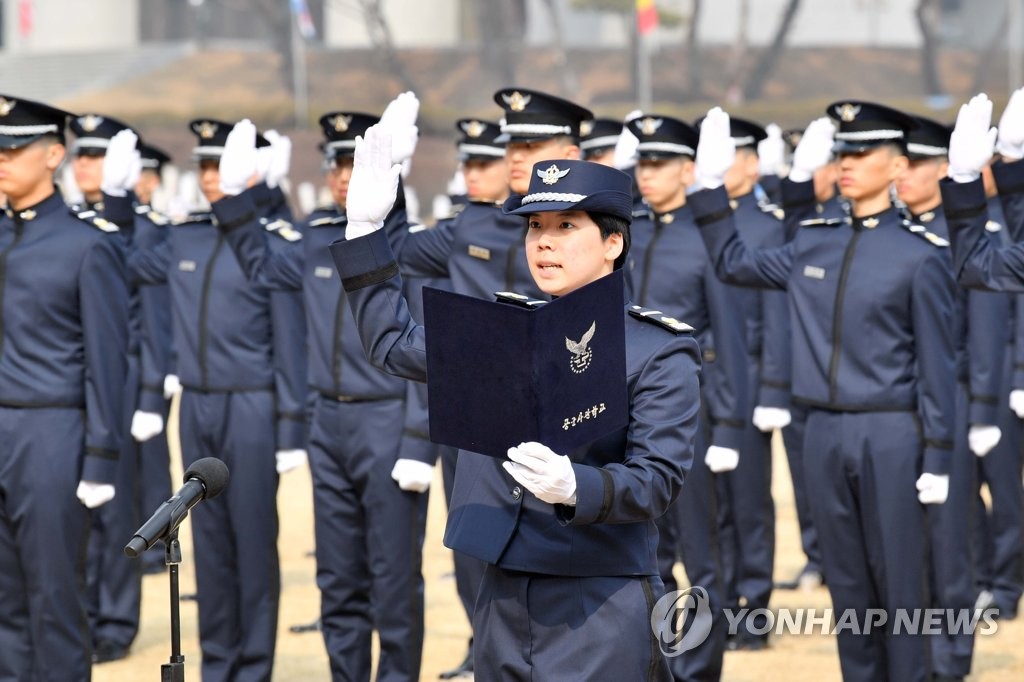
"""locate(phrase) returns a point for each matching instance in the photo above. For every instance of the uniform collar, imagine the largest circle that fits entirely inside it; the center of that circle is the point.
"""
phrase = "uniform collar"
(870, 222)
(926, 217)
(742, 200)
(43, 208)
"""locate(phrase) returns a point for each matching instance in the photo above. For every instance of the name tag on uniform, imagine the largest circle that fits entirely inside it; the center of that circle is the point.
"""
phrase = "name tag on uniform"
(323, 272)
(814, 272)
(479, 252)
(187, 265)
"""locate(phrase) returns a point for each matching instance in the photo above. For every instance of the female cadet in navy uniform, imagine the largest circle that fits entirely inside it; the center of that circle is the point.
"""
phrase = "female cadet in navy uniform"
(572, 571)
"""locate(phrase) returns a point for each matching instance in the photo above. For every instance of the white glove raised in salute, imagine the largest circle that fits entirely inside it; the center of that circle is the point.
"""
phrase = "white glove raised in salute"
(814, 149)
(239, 161)
(280, 157)
(932, 488)
(373, 185)
(122, 164)
(412, 475)
(1017, 402)
(771, 151)
(399, 120)
(721, 460)
(624, 154)
(542, 471)
(1011, 127)
(973, 140)
(716, 150)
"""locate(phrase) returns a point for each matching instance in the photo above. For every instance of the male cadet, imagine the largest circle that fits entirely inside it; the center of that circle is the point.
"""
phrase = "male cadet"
(608, 142)
(239, 405)
(64, 321)
(115, 585)
(871, 304)
(670, 272)
(368, 512)
(746, 512)
(979, 264)
(982, 335)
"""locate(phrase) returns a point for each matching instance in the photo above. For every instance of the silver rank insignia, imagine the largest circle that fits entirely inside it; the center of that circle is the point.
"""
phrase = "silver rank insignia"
(870, 223)
(581, 352)
(552, 174)
(6, 105)
(848, 112)
(90, 122)
(517, 101)
(649, 126)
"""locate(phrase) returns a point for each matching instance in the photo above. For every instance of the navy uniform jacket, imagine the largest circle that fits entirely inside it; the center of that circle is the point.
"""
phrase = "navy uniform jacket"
(623, 482)
(871, 308)
(64, 321)
(225, 331)
(480, 249)
(670, 271)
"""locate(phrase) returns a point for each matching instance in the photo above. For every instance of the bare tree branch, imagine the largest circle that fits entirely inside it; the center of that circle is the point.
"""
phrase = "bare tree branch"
(927, 18)
(766, 65)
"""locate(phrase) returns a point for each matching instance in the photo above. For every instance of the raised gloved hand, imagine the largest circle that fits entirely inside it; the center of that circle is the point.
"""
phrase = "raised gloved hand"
(624, 154)
(543, 472)
(412, 475)
(1011, 127)
(145, 425)
(280, 157)
(373, 185)
(771, 151)
(93, 494)
(239, 160)
(716, 150)
(720, 459)
(814, 149)
(399, 119)
(171, 386)
(768, 419)
(982, 438)
(932, 488)
(973, 140)
(289, 459)
(1017, 402)
(121, 164)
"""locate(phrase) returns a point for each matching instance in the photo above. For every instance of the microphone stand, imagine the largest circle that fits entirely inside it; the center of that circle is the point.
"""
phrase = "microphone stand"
(174, 671)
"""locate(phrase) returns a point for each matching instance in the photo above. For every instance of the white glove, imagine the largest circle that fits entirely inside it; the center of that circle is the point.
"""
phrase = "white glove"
(457, 185)
(624, 154)
(716, 150)
(239, 160)
(280, 157)
(264, 158)
(1011, 127)
(771, 151)
(1017, 402)
(93, 494)
(768, 419)
(973, 142)
(543, 472)
(399, 119)
(121, 164)
(171, 386)
(720, 459)
(412, 475)
(289, 459)
(814, 149)
(932, 488)
(373, 185)
(145, 425)
(982, 438)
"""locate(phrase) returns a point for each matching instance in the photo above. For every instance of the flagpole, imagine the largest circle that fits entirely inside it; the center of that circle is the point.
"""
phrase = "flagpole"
(299, 77)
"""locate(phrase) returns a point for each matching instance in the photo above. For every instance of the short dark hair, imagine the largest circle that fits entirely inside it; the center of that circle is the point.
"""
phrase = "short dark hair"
(612, 224)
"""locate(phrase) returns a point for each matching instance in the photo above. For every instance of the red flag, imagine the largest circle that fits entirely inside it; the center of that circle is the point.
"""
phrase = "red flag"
(646, 16)
(25, 18)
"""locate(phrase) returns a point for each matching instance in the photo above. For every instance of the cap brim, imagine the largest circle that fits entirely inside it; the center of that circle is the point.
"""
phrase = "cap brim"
(19, 141)
(845, 147)
(608, 201)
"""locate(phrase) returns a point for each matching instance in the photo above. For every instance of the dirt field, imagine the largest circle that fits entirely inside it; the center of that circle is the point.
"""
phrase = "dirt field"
(799, 658)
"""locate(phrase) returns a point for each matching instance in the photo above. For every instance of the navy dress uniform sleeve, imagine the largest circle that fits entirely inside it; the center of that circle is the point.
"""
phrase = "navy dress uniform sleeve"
(278, 269)
(734, 262)
(149, 266)
(975, 262)
(1009, 179)
(1018, 344)
(987, 342)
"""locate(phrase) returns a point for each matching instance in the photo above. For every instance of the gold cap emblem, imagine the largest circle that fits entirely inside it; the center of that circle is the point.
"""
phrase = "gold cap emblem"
(649, 126)
(473, 128)
(586, 127)
(6, 105)
(848, 112)
(90, 122)
(206, 129)
(552, 174)
(341, 122)
(517, 101)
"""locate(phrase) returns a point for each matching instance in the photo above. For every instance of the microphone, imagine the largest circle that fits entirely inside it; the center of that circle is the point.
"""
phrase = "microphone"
(205, 479)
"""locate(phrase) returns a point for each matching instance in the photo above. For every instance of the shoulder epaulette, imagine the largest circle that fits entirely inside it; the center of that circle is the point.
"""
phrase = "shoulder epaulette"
(517, 299)
(456, 209)
(922, 231)
(154, 217)
(771, 209)
(326, 220)
(822, 222)
(283, 229)
(656, 317)
(641, 213)
(96, 221)
(993, 226)
(198, 217)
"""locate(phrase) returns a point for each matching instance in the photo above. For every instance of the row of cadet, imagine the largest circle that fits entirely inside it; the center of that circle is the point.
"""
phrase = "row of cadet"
(829, 311)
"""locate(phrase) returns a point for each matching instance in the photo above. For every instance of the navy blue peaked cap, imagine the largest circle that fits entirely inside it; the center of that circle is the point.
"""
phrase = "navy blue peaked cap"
(153, 157)
(93, 132)
(23, 121)
(532, 115)
(599, 135)
(663, 137)
(744, 132)
(479, 139)
(929, 140)
(865, 125)
(212, 134)
(570, 185)
(341, 128)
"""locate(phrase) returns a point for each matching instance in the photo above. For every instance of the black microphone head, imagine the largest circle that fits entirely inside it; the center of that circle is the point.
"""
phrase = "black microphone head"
(212, 472)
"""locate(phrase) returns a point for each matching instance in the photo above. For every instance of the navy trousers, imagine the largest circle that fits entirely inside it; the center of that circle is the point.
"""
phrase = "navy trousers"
(469, 571)
(238, 576)
(368, 541)
(44, 631)
(793, 438)
(154, 483)
(873, 533)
